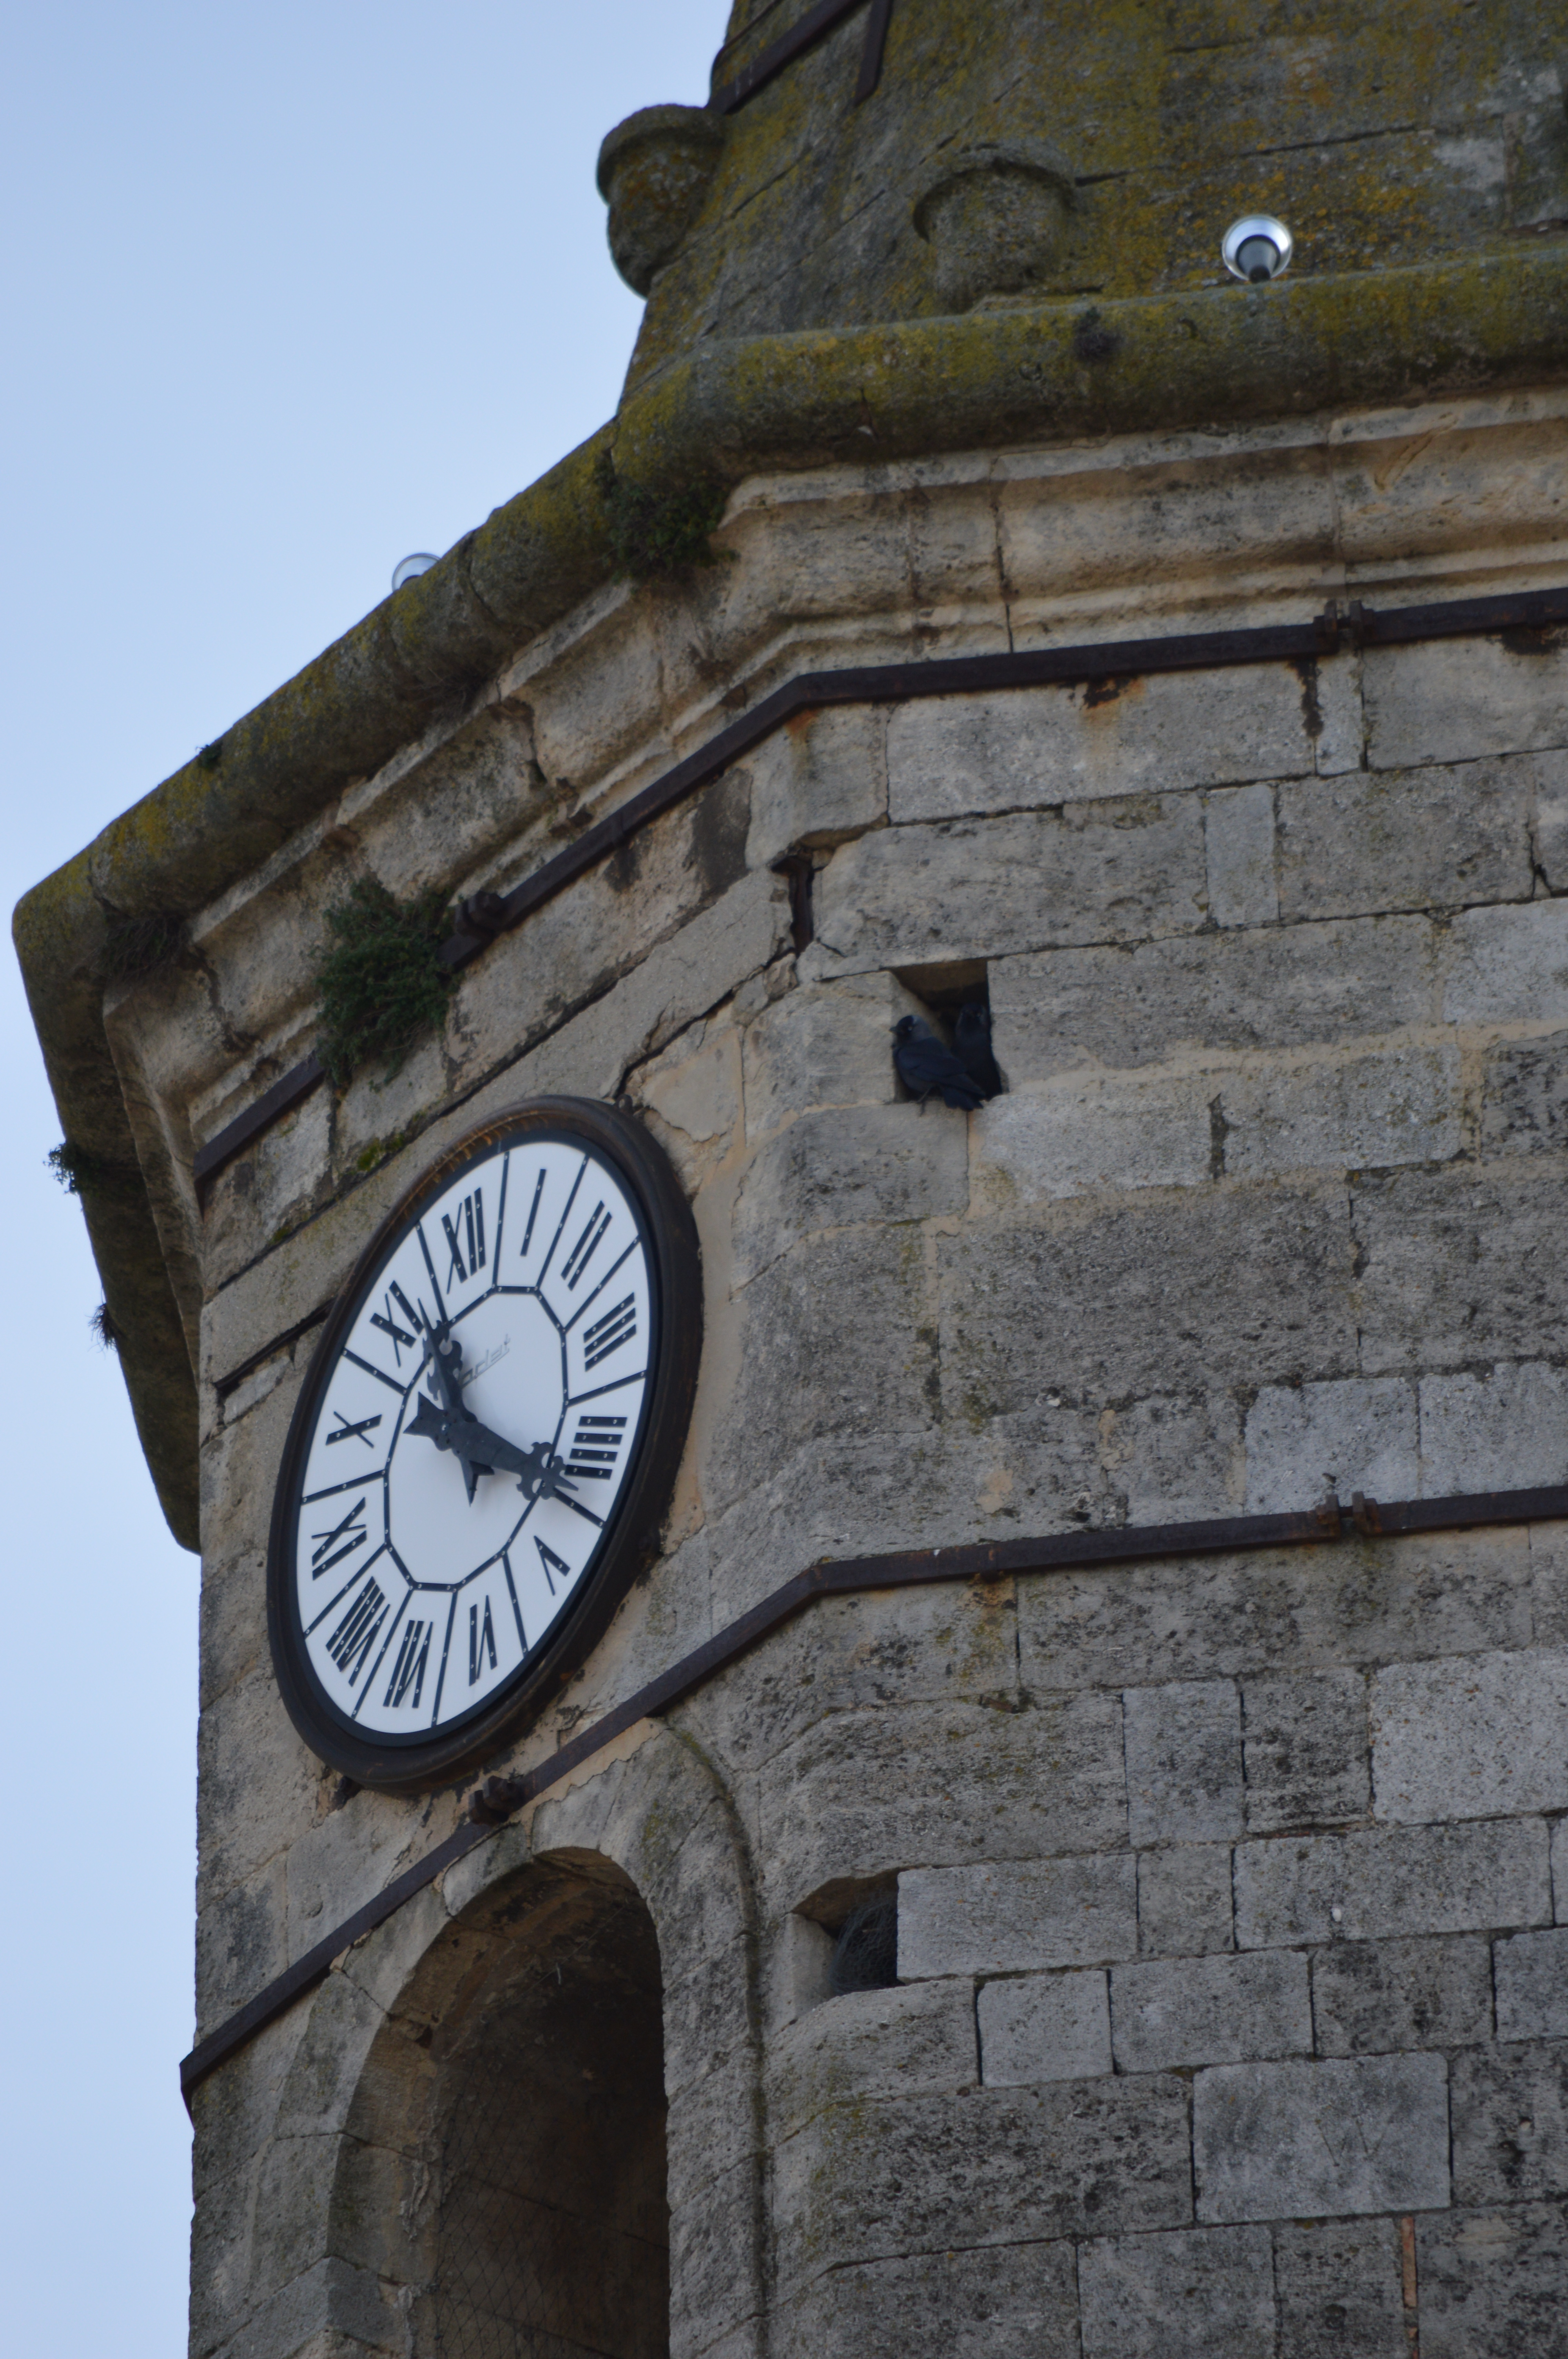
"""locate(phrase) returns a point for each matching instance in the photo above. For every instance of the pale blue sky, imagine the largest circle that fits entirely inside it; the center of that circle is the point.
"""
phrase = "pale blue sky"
(288, 292)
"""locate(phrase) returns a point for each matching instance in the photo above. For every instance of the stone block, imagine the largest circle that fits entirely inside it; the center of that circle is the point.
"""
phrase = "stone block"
(818, 780)
(1524, 1101)
(1004, 2302)
(1470, 1740)
(1173, 1457)
(882, 2043)
(1457, 1270)
(1369, 1997)
(1273, 988)
(1016, 1918)
(922, 2174)
(257, 1783)
(1352, 1434)
(1306, 1747)
(1185, 2296)
(1239, 837)
(240, 1943)
(859, 1164)
(1390, 1881)
(1491, 2283)
(1560, 1869)
(1263, 1278)
(1385, 839)
(1340, 2290)
(1549, 1581)
(1510, 2123)
(1507, 965)
(1183, 1762)
(1043, 2028)
(866, 1792)
(1503, 1430)
(1458, 700)
(714, 2261)
(1080, 1135)
(985, 888)
(1299, 2140)
(1341, 742)
(345, 1859)
(1183, 1901)
(829, 1044)
(233, 1623)
(1170, 2013)
(1287, 1609)
(1019, 749)
(1362, 1112)
(1530, 1976)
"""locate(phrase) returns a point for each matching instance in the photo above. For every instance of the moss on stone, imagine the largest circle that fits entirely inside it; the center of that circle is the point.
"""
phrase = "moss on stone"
(381, 983)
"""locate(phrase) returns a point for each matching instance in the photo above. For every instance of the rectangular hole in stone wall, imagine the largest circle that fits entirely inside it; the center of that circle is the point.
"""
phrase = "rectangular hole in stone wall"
(947, 992)
(855, 1919)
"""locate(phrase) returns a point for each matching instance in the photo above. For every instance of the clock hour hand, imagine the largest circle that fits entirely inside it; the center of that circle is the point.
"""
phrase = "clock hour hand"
(452, 1426)
(443, 1355)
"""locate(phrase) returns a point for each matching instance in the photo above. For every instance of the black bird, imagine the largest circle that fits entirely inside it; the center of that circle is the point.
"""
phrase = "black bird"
(924, 1065)
(972, 1038)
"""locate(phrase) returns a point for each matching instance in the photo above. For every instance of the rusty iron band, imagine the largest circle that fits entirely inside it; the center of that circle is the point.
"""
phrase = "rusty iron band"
(498, 1799)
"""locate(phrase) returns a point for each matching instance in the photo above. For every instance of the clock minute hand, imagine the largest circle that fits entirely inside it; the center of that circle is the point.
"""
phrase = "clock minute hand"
(444, 1356)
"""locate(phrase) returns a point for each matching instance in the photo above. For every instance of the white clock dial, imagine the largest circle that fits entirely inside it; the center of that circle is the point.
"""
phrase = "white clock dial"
(467, 1436)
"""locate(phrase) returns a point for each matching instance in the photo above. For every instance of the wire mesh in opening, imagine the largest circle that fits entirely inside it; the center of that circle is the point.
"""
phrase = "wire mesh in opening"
(865, 1955)
(553, 2222)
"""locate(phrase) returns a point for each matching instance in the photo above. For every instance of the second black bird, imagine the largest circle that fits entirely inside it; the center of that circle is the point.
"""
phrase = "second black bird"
(924, 1066)
(972, 1039)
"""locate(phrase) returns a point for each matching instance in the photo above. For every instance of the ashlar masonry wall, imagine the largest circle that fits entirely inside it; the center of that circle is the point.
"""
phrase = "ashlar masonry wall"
(1229, 2009)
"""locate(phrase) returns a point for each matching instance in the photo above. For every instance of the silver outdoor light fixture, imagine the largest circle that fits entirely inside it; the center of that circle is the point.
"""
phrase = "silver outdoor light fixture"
(410, 566)
(1256, 248)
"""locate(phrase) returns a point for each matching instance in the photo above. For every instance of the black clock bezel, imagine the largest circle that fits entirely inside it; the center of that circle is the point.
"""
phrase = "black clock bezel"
(412, 1764)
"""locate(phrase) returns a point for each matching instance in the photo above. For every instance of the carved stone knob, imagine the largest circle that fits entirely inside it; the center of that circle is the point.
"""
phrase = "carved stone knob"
(654, 172)
(996, 220)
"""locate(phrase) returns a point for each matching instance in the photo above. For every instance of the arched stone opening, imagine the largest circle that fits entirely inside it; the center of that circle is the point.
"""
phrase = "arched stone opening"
(548, 2134)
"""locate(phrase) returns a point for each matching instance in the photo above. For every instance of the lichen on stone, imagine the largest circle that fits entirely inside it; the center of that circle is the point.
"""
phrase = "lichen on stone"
(659, 534)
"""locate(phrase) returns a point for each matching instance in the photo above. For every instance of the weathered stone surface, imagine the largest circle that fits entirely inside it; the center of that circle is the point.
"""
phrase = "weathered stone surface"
(1005, 2301)
(1262, 1277)
(1390, 1881)
(1466, 1741)
(1369, 1997)
(1351, 1435)
(1276, 988)
(258, 1783)
(1507, 965)
(1036, 1144)
(885, 2043)
(1531, 1973)
(983, 888)
(1406, 839)
(1185, 2296)
(1019, 749)
(1210, 2010)
(1524, 1107)
(1339, 2289)
(1238, 838)
(1183, 1762)
(1306, 1747)
(830, 1044)
(1368, 1112)
(864, 1793)
(1012, 1919)
(888, 1164)
(1357, 1601)
(1504, 1429)
(1172, 1457)
(1291, 2140)
(816, 781)
(1043, 2028)
(920, 2174)
(1457, 1269)
(1455, 701)
(1492, 2282)
(1510, 2123)
(1183, 1901)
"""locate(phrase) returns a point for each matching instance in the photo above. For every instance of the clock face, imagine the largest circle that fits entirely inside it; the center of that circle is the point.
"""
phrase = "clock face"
(487, 1433)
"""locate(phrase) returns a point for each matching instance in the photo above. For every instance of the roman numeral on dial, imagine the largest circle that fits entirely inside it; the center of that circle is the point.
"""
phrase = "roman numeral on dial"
(609, 1333)
(465, 1229)
(408, 1671)
(356, 1634)
(482, 1641)
(595, 1447)
(404, 1335)
(588, 1242)
(552, 1563)
(351, 1531)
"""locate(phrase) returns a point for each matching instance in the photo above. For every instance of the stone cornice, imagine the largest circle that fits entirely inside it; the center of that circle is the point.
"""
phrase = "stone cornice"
(863, 396)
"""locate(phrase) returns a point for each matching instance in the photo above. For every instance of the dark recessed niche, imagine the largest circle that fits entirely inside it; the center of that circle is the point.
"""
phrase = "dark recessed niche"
(865, 1954)
(943, 990)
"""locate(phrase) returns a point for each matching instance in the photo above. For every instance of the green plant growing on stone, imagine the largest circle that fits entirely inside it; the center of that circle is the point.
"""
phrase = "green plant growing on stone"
(81, 1172)
(382, 982)
(105, 1332)
(658, 535)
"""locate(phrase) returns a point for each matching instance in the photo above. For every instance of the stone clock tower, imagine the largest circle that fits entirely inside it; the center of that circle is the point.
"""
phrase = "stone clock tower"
(842, 1716)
